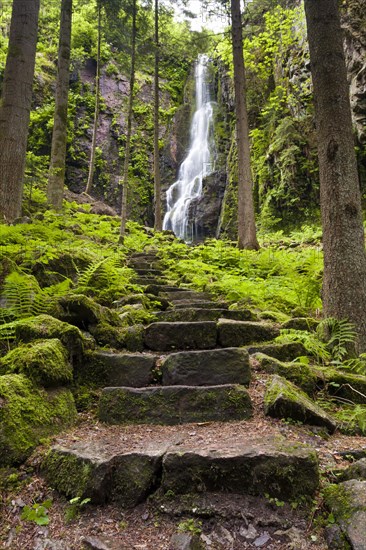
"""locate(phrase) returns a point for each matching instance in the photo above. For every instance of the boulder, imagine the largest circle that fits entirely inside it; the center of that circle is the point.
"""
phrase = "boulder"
(347, 502)
(284, 400)
(207, 368)
(83, 311)
(357, 470)
(174, 404)
(301, 323)
(343, 384)
(299, 373)
(241, 333)
(270, 466)
(28, 414)
(105, 368)
(45, 362)
(172, 336)
(185, 541)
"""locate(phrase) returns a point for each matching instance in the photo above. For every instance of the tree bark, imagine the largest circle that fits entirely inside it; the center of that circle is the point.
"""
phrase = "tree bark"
(97, 103)
(16, 104)
(56, 178)
(344, 284)
(157, 182)
(124, 201)
(247, 237)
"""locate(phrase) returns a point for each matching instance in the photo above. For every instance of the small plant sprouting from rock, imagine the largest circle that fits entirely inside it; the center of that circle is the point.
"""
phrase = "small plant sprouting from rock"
(38, 512)
(74, 508)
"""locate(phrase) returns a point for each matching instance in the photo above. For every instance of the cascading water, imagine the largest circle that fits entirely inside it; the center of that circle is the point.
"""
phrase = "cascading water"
(198, 162)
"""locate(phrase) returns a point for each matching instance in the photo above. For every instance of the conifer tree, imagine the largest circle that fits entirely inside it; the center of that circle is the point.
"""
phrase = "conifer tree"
(56, 178)
(344, 284)
(16, 104)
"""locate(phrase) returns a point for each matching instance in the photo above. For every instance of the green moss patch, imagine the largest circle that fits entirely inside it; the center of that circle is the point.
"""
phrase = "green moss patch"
(45, 362)
(28, 414)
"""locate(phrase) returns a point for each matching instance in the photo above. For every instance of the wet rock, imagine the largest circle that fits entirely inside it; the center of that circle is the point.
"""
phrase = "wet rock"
(207, 368)
(171, 336)
(241, 333)
(174, 404)
(256, 467)
(284, 400)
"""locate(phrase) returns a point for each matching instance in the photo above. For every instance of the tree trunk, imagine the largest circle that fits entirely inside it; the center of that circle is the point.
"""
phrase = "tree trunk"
(344, 284)
(247, 237)
(157, 183)
(56, 178)
(16, 104)
(124, 201)
(97, 103)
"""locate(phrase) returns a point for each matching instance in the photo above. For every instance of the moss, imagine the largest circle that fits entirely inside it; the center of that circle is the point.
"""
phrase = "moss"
(343, 384)
(45, 362)
(45, 327)
(28, 414)
(338, 499)
(297, 373)
(83, 311)
(107, 335)
(68, 473)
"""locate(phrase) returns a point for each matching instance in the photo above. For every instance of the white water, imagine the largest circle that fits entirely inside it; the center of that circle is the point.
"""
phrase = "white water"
(198, 162)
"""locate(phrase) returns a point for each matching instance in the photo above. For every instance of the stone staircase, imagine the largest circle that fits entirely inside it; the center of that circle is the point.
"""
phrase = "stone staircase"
(195, 369)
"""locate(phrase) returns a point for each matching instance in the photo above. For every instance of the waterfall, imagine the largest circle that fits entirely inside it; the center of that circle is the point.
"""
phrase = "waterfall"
(198, 162)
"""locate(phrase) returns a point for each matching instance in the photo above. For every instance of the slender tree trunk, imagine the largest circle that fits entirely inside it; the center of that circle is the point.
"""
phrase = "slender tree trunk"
(16, 104)
(247, 237)
(157, 183)
(124, 201)
(97, 103)
(344, 284)
(56, 178)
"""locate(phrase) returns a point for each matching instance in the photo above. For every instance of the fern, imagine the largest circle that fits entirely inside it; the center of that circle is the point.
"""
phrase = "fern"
(311, 342)
(339, 336)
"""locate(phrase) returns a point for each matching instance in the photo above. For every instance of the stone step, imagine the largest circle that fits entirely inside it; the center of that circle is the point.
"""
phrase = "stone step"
(187, 295)
(106, 368)
(144, 281)
(241, 333)
(159, 289)
(200, 314)
(184, 304)
(139, 264)
(170, 405)
(206, 368)
(170, 336)
(149, 272)
(175, 336)
(102, 466)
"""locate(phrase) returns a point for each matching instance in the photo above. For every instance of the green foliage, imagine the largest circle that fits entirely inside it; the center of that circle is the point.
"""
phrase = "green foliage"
(190, 526)
(37, 513)
(75, 507)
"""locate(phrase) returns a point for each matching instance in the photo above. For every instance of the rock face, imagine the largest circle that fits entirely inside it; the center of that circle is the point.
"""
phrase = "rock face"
(174, 404)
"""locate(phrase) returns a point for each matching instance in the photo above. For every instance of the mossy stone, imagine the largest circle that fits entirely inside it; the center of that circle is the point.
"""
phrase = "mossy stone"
(284, 400)
(300, 374)
(28, 414)
(343, 384)
(83, 311)
(45, 362)
(301, 323)
(241, 333)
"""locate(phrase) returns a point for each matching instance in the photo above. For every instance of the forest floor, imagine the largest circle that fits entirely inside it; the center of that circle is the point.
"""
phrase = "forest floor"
(225, 522)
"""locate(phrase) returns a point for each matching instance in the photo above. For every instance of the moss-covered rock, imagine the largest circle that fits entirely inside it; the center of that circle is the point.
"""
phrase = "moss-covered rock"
(28, 414)
(301, 323)
(284, 400)
(240, 333)
(283, 352)
(45, 327)
(45, 362)
(343, 384)
(107, 335)
(300, 374)
(83, 311)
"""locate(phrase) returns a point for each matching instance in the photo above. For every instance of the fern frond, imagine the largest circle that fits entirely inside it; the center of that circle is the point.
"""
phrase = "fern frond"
(338, 334)
(21, 295)
(313, 345)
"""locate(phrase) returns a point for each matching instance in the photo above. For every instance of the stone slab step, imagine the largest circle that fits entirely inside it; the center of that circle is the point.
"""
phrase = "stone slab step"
(184, 304)
(171, 405)
(149, 272)
(187, 295)
(119, 369)
(158, 289)
(206, 368)
(101, 467)
(241, 333)
(200, 314)
(141, 264)
(175, 336)
(144, 281)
